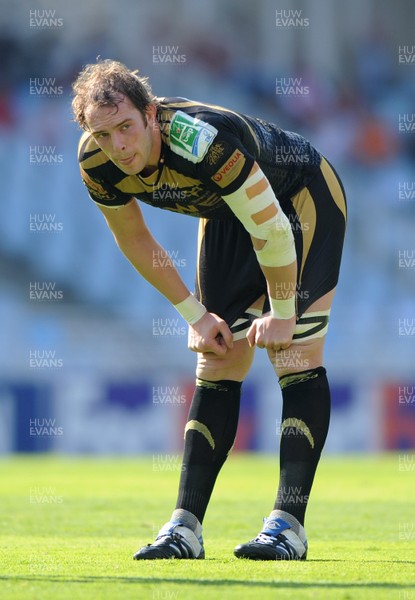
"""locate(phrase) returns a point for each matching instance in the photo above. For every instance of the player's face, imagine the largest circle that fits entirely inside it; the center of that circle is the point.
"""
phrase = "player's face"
(129, 140)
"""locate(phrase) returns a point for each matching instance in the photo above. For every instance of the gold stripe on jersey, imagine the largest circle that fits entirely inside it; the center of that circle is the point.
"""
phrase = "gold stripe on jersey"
(184, 185)
(209, 201)
(82, 141)
(131, 185)
(334, 187)
(96, 160)
(178, 180)
(306, 210)
(181, 104)
(149, 180)
(87, 144)
(200, 236)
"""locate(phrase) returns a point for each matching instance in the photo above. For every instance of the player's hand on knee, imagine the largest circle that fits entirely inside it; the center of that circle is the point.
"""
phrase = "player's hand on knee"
(270, 333)
(210, 334)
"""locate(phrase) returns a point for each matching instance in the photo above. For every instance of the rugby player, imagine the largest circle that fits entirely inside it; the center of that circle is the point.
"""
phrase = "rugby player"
(272, 220)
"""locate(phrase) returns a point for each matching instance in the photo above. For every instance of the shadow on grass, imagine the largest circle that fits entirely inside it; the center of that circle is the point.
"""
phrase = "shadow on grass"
(208, 582)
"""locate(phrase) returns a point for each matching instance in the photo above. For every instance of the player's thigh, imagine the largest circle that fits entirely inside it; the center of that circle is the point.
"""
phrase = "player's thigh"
(233, 365)
(318, 213)
(307, 348)
(237, 361)
(229, 279)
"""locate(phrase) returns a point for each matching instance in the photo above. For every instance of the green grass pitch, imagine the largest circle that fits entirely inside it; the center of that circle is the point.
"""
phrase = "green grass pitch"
(69, 527)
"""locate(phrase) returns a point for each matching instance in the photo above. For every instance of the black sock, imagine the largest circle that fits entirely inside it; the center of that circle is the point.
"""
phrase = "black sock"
(209, 436)
(304, 427)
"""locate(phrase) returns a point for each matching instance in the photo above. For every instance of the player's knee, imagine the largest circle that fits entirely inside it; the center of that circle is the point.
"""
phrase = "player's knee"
(233, 365)
(298, 357)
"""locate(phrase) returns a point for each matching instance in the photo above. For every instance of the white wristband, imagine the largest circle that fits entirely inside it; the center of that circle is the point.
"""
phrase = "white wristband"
(190, 309)
(282, 309)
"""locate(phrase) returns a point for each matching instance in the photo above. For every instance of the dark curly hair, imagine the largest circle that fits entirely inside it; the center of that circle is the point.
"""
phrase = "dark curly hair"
(104, 83)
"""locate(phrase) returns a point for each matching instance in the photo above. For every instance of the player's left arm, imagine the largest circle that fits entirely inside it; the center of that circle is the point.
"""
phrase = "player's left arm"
(256, 206)
(229, 167)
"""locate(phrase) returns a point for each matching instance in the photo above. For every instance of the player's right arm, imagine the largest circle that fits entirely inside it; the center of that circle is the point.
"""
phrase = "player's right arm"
(139, 246)
(234, 173)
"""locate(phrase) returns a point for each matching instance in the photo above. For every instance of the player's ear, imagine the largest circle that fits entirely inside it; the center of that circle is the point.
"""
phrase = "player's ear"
(151, 110)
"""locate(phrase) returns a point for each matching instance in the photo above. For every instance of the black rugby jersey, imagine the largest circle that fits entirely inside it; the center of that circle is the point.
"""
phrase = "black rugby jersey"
(207, 152)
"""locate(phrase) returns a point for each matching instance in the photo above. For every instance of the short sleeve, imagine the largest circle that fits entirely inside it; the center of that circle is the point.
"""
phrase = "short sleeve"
(95, 170)
(103, 193)
(227, 163)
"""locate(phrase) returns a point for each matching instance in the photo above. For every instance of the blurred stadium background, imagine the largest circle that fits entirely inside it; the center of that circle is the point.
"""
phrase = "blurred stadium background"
(95, 361)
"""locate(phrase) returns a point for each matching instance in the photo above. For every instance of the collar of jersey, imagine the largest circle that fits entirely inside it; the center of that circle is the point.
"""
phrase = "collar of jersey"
(154, 177)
